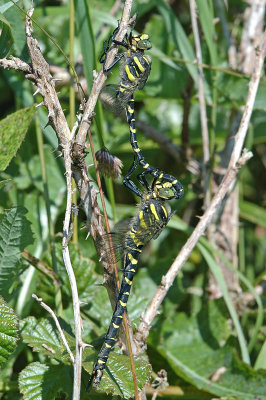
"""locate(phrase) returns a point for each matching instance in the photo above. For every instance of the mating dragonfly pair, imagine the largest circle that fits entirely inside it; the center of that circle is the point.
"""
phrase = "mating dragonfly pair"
(153, 213)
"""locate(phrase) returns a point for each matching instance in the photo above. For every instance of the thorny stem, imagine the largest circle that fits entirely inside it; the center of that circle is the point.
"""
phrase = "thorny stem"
(72, 101)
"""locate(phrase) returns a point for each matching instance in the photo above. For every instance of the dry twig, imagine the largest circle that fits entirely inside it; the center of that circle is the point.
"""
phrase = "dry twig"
(50, 311)
(235, 164)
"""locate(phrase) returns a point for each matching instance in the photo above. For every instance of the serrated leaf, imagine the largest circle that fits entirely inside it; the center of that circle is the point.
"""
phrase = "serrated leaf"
(195, 348)
(12, 132)
(117, 378)
(8, 331)
(43, 337)
(42, 382)
(15, 235)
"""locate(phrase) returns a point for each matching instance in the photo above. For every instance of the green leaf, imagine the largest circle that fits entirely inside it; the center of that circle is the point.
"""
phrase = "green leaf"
(15, 235)
(87, 44)
(86, 36)
(197, 348)
(16, 20)
(214, 267)
(206, 19)
(117, 378)
(179, 37)
(5, 5)
(261, 359)
(43, 337)
(12, 132)
(253, 213)
(42, 382)
(6, 37)
(32, 174)
(8, 331)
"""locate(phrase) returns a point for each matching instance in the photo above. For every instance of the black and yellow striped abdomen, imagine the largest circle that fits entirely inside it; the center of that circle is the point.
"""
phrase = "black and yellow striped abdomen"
(151, 218)
(135, 70)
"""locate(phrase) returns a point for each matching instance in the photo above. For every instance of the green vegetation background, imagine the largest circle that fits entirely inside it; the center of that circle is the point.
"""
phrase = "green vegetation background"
(191, 338)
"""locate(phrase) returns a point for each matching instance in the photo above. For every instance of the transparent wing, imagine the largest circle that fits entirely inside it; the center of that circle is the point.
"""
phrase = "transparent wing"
(111, 246)
(146, 229)
(114, 243)
(111, 102)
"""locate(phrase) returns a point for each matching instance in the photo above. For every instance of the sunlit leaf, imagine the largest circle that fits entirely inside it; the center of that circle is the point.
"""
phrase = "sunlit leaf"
(199, 351)
(43, 382)
(8, 331)
(12, 132)
(43, 337)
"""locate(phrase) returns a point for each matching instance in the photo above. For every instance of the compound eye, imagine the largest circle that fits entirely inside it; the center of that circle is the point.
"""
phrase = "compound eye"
(166, 193)
(144, 44)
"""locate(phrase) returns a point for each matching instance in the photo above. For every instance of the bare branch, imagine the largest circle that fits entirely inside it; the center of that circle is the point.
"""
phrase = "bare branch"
(40, 75)
(50, 311)
(225, 186)
(15, 63)
(251, 34)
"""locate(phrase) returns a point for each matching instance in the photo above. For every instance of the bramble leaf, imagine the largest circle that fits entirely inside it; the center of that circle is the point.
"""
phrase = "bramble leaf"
(43, 336)
(15, 235)
(8, 331)
(43, 382)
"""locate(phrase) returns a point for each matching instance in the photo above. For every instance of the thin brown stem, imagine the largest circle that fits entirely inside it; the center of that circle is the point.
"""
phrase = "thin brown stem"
(40, 266)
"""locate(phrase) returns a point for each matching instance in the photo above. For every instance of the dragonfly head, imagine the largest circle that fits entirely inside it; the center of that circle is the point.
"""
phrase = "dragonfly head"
(168, 189)
(141, 42)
